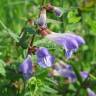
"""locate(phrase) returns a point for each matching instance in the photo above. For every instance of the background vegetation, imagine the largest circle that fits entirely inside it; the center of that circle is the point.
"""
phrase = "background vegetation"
(79, 16)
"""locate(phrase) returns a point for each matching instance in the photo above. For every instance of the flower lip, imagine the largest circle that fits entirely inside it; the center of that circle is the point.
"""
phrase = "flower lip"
(44, 58)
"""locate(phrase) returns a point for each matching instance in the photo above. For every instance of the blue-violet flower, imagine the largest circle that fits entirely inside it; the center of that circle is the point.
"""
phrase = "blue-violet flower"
(65, 70)
(44, 58)
(42, 19)
(84, 74)
(26, 67)
(69, 41)
(90, 92)
(57, 11)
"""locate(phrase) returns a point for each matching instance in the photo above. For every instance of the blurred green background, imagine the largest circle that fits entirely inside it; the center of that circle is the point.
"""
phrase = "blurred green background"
(79, 16)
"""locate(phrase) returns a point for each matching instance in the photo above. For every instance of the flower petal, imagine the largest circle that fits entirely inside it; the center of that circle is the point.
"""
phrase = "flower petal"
(78, 38)
(65, 71)
(90, 92)
(61, 39)
(44, 58)
(42, 19)
(69, 53)
(84, 74)
(69, 41)
(26, 67)
(57, 11)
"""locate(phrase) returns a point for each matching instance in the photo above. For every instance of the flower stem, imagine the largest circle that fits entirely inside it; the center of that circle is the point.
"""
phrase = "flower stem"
(33, 37)
(83, 84)
(32, 40)
(62, 18)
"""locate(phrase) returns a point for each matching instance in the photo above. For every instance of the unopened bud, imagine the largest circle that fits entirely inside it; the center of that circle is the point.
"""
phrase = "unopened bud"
(42, 19)
(57, 11)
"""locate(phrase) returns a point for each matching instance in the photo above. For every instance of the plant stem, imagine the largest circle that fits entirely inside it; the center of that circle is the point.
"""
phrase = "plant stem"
(43, 2)
(33, 37)
(62, 18)
(83, 84)
(32, 40)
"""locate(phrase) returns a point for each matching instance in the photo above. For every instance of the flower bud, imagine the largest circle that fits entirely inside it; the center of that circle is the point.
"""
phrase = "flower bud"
(84, 74)
(57, 11)
(26, 67)
(42, 19)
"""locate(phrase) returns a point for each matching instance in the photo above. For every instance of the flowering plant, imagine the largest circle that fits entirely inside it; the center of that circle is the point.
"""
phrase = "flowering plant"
(52, 54)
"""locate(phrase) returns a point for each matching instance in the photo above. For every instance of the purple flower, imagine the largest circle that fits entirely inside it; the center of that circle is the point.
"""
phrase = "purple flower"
(69, 41)
(44, 58)
(26, 67)
(68, 74)
(42, 19)
(90, 92)
(66, 71)
(65, 66)
(84, 74)
(57, 11)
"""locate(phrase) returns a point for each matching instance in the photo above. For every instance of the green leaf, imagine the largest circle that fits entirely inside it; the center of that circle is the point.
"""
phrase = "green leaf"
(72, 18)
(30, 30)
(8, 31)
(2, 69)
(48, 89)
(24, 40)
(13, 35)
(53, 21)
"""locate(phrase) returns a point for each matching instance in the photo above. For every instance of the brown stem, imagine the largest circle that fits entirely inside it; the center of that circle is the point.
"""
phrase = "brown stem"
(32, 40)
(33, 37)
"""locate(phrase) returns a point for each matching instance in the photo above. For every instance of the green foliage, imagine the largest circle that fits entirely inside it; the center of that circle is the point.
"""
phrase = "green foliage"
(72, 18)
(36, 87)
(2, 69)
